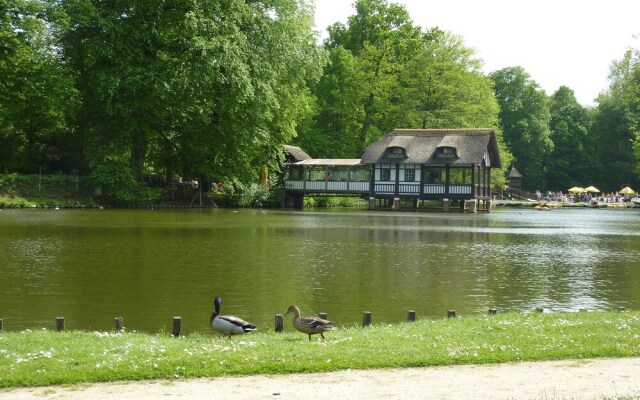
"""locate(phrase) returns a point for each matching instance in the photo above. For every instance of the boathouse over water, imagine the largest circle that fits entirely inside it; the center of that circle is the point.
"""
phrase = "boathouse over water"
(415, 164)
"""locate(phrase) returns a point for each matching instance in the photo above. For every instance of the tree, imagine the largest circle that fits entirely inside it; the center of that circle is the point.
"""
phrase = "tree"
(524, 117)
(444, 87)
(382, 38)
(571, 162)
(200, 88)
(616, 125)
(37, 98)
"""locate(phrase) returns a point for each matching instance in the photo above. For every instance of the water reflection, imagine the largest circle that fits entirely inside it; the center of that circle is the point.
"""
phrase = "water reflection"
(147, 266)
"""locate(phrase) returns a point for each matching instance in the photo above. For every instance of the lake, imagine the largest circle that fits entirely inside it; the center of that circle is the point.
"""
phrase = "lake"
(147, 266)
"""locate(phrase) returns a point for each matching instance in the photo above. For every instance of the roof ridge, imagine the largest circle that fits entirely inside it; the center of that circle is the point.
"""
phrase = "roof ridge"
(425, 132)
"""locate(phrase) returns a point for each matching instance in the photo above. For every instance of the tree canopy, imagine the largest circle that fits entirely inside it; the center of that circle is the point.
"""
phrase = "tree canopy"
(212, 89)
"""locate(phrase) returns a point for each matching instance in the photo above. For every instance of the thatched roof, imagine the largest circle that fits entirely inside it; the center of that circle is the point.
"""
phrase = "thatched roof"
(329, 162)
(295, 153)
(420, 146)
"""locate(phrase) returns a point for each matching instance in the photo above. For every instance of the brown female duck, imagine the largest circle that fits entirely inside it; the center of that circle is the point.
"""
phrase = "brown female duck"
(309, 325)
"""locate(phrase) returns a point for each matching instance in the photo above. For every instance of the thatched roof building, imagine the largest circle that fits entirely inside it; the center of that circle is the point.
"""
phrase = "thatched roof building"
(433, 146)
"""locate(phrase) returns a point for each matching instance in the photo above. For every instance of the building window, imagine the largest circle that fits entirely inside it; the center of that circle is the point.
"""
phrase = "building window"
(395, 152)
(434, 175)
(460, 176)
(409, 175)
(385, 174)
(446, 152)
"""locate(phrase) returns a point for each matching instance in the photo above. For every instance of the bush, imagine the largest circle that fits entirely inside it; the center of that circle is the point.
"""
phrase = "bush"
(119, 186)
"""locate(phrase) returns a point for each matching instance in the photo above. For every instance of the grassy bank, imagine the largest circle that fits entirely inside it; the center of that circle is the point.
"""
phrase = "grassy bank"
(35, 358)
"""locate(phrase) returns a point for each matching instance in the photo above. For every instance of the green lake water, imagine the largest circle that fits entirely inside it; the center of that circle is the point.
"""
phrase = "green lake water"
(147, 266)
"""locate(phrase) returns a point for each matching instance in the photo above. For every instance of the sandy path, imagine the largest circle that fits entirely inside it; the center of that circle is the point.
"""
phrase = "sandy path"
(592, 379)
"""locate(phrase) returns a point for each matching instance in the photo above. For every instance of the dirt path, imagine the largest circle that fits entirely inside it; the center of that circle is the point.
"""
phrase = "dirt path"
(572, 379)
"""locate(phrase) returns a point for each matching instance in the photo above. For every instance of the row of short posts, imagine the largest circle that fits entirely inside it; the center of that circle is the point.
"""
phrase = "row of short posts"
(279, 320)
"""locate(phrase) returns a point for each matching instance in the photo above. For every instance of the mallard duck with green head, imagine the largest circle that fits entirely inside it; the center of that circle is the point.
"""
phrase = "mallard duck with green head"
(228, 324)
(309, 325)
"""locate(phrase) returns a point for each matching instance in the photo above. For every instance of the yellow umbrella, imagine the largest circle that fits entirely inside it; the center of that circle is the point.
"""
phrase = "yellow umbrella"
(592, 189)
(627, 190)
(576, 189)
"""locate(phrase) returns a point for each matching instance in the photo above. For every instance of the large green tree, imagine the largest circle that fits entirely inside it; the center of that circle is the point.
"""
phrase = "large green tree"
(37, 98)
(382, 38)
(571, 162)
(524, 118)
(201, 88)
(444, 87)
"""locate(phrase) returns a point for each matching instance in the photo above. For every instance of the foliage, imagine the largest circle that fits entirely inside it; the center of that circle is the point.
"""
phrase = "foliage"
(572, 161)
(617, 122)
(37, 358)
(524, 118)
(198, 88)
(356, 94)
(33, 185)
(119, 186)
(37, 97)
(15, 202)
(328, 201)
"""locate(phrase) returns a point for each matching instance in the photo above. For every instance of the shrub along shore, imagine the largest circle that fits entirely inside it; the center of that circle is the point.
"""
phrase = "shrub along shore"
(43, 357)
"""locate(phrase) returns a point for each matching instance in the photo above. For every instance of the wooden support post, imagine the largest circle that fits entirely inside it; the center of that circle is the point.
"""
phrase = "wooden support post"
(621, 309)
(177, 326)
(451, 314)
(493, 311)
(60, 324)
(396, 203)
(323, 315)
(366, 318)
(1, 325)
(539, 310)
(372, 203)
(445, 205)
(119, 322)
(279, 323)
(411, 316)
(473, 206)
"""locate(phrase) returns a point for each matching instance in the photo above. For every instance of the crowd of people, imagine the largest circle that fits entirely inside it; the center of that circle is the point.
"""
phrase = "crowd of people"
(585, 197)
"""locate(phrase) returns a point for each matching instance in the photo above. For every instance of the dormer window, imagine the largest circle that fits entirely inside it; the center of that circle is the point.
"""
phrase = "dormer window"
(445, 152)
(396, 152)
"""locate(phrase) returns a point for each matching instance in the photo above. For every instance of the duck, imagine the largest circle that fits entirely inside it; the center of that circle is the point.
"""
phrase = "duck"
(229, 324)
(309, 325)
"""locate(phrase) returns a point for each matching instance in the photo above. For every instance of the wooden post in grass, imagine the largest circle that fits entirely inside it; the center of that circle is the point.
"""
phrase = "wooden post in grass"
(411, 316)
(60, 324)
(1, 325)
(493, 311)
(539, 310)
(366, 318)
(177, 326)
(323, 315)
(119, 322)
(451, 314)
(279, 323)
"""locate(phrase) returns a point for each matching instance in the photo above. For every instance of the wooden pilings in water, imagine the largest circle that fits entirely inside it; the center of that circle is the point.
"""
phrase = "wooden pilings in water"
(366, 318)
(59, 324)
(119, 324)
(177, 326)
(411, 316)
(279, 323)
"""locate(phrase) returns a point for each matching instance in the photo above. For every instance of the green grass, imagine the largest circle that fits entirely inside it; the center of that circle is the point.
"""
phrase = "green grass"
(36, 358)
